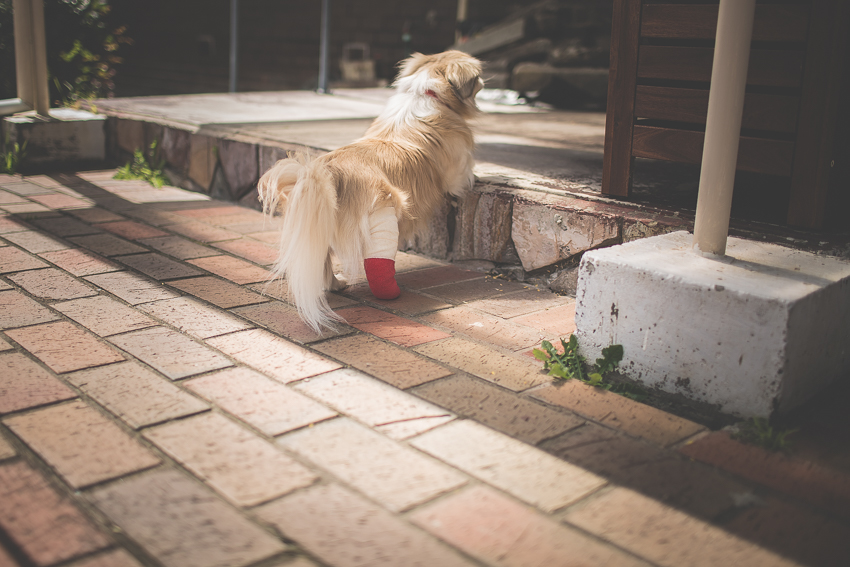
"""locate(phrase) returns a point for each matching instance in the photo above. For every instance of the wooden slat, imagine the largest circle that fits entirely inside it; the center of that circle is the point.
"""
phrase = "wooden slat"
(769, 112)
(773, 22)
(768, 67)
(622, 80)
(825, 63)
(758, 155)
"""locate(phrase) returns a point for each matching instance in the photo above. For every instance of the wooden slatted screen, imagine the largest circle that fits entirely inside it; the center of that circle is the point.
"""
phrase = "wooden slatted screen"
(661, 59)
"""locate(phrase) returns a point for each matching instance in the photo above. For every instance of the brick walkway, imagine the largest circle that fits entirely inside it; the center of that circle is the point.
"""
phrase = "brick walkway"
(157, 408)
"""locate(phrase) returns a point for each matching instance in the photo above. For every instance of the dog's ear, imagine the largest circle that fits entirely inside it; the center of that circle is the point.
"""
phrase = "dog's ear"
(465, 77)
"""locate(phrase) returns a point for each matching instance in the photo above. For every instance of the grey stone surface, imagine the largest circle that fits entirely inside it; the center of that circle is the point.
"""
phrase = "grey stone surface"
(544, 235)
(239, 162)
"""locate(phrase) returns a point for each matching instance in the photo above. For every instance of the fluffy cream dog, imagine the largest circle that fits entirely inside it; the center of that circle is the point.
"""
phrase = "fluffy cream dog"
(355, 202)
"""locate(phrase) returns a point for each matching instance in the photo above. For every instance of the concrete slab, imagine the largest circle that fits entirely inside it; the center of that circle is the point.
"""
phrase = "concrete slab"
(756, 332)
(66, 137)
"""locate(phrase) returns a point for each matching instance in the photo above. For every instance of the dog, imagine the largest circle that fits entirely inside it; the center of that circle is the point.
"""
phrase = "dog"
(357, 201)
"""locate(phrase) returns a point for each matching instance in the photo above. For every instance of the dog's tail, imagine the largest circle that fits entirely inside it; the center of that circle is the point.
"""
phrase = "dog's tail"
(304, 192)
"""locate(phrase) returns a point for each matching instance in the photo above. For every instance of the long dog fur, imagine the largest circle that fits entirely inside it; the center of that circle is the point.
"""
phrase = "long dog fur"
(418, 150)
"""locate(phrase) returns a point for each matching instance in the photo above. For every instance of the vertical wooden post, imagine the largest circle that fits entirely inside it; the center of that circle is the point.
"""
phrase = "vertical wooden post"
(622, 83)
(723, 124)
(31, 54)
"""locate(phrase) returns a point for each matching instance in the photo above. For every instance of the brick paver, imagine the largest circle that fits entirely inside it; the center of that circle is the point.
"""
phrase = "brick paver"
(65, 226)
(243, 467)
(261, 402)
(401, 368)
(520, 470)
(64, 347)
(131, 230)
(14, 260)
(24, 384)
(46, 526)
(617, 411)
(80, 443)
(408, 303)
(135, 394)
(36, 242)
(509, 372)
(103, 315)
(345, 530)
(18, 310)
(486, 328)
(179, 247)
(233, 269)
(499, 531)
(9, 224)
(519, 303)
(664, 535)
(170, 352)
(390, 327)
(218, 292)
(7, 451)
(272, 355)
(826, 488)
(282, 319)
(794, 532)
(62, 201)
(159, 267)
(429, 277)
(250, 250)
(106, 244)
(647, 468)
(553, 322)
(114, 558)
(130, 287)
(498, 408)
(182, 524)
(51, 283)
(472, 289)
(395, 414)
(195, 317)
(203, 232)
(80, 262)
(396, 476)
(96, 215)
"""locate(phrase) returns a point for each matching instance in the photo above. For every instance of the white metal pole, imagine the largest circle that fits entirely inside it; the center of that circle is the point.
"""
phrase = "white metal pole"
(234, 43)
(723, 124)
(31, 54)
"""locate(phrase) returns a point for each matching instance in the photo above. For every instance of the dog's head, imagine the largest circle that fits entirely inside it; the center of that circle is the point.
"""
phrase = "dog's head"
(453, 77)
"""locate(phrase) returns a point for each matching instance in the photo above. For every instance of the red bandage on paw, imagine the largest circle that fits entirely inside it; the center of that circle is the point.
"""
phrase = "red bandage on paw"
(380, 273)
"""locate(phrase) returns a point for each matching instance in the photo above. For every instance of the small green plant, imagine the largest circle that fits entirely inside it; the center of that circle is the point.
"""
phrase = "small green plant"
(570, 364)
(12, 158)
(141, 168)
(758, 431)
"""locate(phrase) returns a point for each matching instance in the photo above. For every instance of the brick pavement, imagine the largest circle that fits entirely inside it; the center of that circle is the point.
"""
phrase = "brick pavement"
(159, 406)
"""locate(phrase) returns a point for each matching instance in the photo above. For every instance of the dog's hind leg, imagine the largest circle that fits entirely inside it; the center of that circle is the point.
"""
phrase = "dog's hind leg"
(380, 254)
(332, 281)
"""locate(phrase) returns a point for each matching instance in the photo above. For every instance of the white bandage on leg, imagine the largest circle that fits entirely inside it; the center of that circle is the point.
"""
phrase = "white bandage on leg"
(383, 226)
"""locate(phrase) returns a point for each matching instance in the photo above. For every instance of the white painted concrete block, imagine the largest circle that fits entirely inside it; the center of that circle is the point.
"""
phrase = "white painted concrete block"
(68, 137)
(758, 331)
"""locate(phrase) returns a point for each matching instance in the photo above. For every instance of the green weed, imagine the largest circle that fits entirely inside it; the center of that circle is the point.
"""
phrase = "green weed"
(12, 158)
(141, 168)
(758, 431)
(570, 364)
